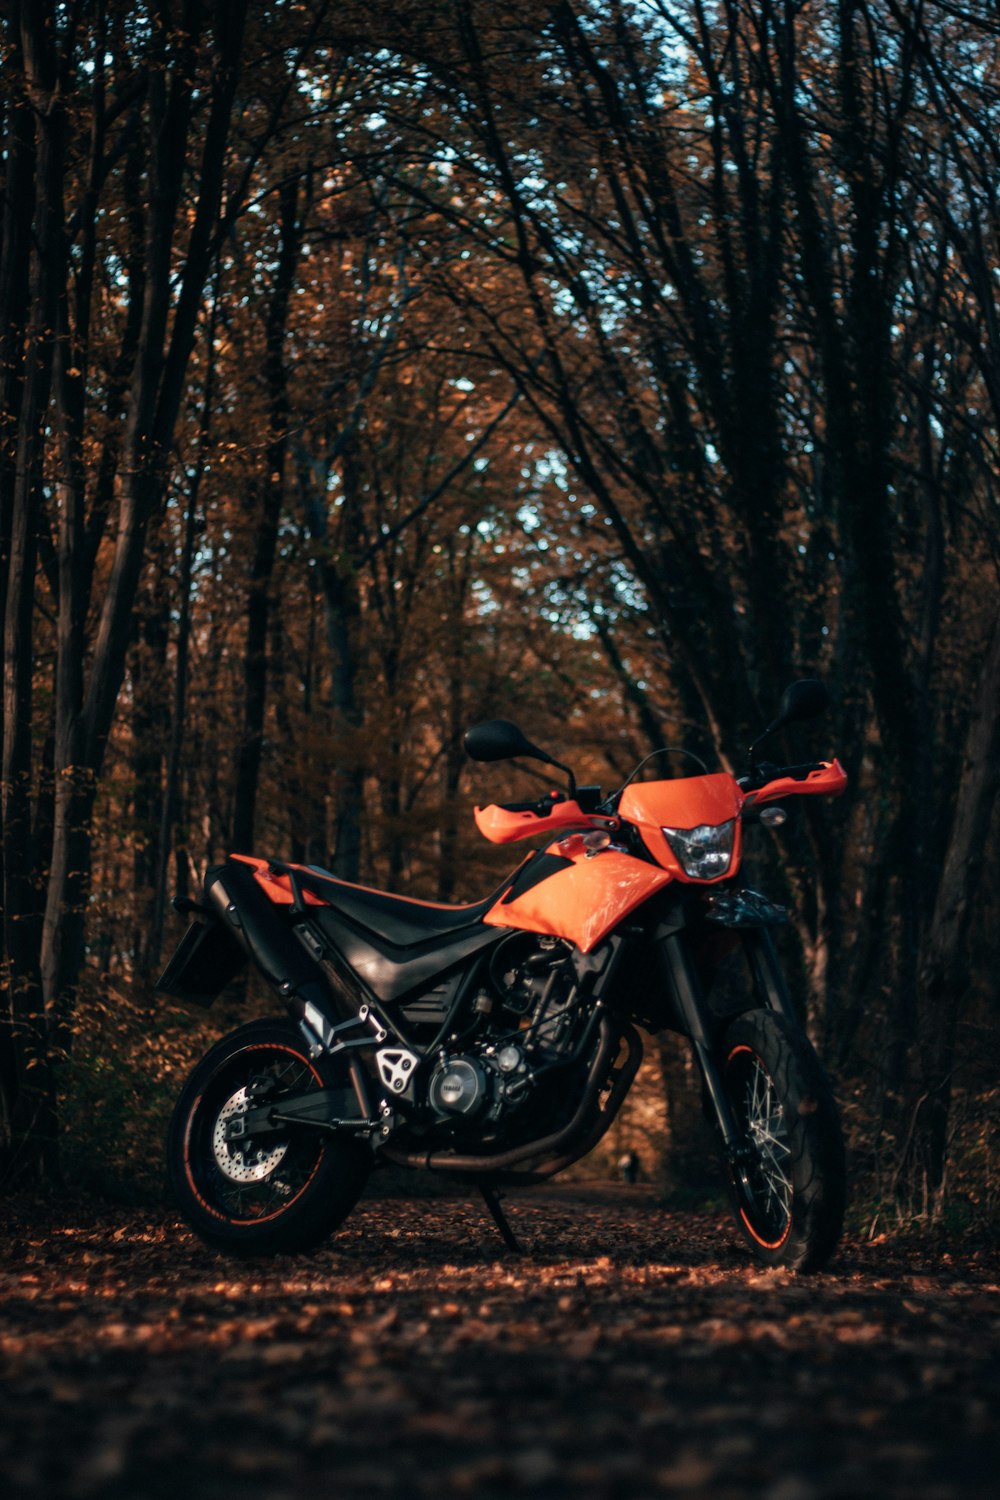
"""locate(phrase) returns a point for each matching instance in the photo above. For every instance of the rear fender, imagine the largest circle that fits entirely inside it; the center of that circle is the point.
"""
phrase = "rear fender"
(239, 922)
(235, 896)
(207, 958)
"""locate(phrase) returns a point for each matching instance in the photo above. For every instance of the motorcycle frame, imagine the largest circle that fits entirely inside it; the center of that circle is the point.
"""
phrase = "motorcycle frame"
(339, 1015)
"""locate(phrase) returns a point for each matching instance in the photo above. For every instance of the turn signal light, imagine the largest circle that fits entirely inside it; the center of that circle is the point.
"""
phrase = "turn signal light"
(575, 844)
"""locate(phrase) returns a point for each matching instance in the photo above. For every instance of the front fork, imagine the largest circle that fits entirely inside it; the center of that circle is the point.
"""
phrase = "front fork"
(768, 977)
(697, 1022)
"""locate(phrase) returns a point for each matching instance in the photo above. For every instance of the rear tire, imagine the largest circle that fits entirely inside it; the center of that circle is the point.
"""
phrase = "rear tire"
(284, 1193)
(790, 1189)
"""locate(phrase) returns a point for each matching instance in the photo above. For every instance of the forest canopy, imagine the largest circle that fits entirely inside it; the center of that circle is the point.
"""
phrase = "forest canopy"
(369, 370)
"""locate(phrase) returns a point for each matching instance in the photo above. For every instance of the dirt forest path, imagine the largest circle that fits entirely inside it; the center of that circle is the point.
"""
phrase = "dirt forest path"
(634, 1353)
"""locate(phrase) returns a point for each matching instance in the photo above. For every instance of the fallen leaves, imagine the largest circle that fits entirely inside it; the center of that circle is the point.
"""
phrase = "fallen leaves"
(634, 1353)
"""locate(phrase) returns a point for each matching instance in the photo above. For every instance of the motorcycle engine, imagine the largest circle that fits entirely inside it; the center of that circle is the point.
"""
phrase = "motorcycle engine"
(460, 1086)
(532, 1022)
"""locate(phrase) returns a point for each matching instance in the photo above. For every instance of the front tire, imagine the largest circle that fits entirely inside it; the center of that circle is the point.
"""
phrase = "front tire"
(790, 1182)
(287, 1192)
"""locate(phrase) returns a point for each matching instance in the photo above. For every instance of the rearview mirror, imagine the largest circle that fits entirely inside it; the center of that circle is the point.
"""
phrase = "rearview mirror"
(499, 739)
(801, 700)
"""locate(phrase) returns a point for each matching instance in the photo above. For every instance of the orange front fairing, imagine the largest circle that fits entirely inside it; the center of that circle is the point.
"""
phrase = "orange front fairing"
(687, 803)
(581, 901)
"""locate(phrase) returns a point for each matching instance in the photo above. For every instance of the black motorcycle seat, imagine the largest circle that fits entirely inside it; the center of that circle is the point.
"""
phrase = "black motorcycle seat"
(399, 920)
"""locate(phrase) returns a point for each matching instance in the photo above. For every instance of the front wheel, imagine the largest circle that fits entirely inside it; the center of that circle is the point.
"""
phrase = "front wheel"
(789, 1177)
(285, 1192)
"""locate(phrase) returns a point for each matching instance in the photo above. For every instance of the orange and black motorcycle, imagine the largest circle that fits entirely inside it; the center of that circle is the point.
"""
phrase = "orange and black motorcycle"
(497, 1041)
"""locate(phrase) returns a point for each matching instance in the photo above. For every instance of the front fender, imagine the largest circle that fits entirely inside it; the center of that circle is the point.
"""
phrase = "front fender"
(744, 908)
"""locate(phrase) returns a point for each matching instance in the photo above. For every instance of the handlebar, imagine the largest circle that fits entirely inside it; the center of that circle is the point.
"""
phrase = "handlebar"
(505, 823)
(587, 799)
(540, 806)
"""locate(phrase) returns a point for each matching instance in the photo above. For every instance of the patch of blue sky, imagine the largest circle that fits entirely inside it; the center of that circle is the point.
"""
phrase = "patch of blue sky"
(89, 64)
(551, 467)
(486, 601)
(626, 589)
(605, 300)
(116, 267)
(664, 20)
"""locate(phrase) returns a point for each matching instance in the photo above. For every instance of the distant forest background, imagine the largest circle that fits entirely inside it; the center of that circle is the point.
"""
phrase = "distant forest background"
(367, 370)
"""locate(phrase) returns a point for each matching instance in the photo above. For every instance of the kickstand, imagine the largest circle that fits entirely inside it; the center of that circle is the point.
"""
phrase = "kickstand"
(492, 1200)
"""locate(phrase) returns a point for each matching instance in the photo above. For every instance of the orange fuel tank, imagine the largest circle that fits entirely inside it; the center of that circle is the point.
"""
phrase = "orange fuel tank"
(584, 899)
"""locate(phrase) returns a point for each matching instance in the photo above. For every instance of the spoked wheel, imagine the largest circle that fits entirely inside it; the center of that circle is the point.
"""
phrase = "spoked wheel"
(277, 1193)
(789, 1181)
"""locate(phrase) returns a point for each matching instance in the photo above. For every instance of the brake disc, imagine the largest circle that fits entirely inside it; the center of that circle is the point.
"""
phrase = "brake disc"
(241, 1160)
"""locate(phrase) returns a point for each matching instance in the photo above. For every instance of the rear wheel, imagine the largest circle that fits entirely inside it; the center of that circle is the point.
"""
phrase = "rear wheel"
(282, 1192)
(789, 1182)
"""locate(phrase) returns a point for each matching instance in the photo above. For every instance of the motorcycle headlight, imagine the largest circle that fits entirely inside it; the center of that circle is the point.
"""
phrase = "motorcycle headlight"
(705, 852)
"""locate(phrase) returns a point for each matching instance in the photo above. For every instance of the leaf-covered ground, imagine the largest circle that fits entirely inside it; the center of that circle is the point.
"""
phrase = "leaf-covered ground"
(634, 1352)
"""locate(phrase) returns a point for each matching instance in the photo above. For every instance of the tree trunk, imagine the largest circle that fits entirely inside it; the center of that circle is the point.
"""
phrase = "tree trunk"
(266, 541)
(342, 616)
(15, 259)
(944, 967)
(33, 1110)
(170, 809)
(454, 761)
(164, 347)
